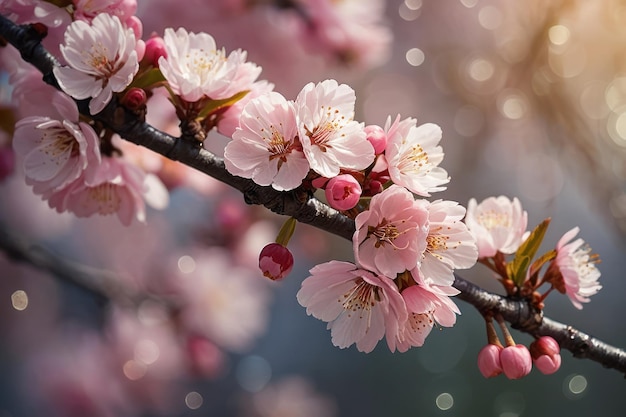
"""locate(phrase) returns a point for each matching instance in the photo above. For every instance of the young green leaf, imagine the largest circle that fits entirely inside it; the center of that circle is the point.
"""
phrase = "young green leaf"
(517, 268)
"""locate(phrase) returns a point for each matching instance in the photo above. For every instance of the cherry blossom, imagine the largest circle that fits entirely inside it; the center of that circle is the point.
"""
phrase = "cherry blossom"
(489, 360)
(194, 67)
(56, 152)
(516, 361)
(545, 352)
(330, 138)
(577, 274)
(449, 244)
(101, 58)
(226, 302)
(275, 261)
(391, 236)
(359, 306)
(265, 147)
(497, 223)
(427, 304)
(113, 187)
(413, 156)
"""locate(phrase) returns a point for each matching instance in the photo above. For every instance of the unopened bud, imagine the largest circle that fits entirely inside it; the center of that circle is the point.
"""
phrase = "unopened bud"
(343, 192)
(275, 261)
(155, 48)
(489, 360)
(545, 352)
(134, 98)
(516, 361)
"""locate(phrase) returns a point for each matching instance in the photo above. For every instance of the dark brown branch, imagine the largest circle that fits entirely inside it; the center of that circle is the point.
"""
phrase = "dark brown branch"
(304, 208)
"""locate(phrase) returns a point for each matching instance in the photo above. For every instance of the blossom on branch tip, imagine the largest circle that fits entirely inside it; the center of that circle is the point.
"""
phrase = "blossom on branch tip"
(194, 67)
(330, 138)
(265, 147)
(391, 235)
(413, 156)
(498, 224)
(101, 58)
(359, 306)
(574, 271)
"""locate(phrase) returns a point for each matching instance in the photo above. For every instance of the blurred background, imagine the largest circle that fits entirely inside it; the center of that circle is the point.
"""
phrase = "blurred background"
(531, 97)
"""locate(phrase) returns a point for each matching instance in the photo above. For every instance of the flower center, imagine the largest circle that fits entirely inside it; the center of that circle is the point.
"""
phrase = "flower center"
(384, 233)
(414, 160)
(106, 197)
(360, 299)
(58, 141)
(492, 219)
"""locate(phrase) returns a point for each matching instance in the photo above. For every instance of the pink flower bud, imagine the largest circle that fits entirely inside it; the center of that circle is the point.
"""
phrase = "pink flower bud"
(545, 352)
(155, 48)
(343, 192)
(377, 137)
(205, 358)
(516, 361)
(489, 360)
(134, 98)
(275, 261)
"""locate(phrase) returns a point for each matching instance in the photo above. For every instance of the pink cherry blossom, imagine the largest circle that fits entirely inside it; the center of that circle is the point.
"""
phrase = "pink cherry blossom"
(516, 361)
(114, 187)
(228, 121)
(101, 58)
(391, 236)
(330, 138)
(194, 67)
(359, 306)
(413, 156)
(489, 360)
(56, 152)
(377, 137)
(497, 223)
(577, 272)
(426, 304)
(265, 147)
(449, 244)
(343, 192)
(545, 352)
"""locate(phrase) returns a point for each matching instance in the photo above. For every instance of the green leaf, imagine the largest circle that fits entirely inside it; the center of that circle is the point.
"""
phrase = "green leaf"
(214, 105)
(517, 268)
(148, 79)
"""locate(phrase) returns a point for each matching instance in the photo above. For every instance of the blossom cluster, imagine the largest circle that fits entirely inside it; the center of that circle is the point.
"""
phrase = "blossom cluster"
(405, 248)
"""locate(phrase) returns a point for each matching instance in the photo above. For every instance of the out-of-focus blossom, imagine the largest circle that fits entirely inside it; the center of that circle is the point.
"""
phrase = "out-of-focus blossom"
(88, 9)
(343, 192)
(275, 261)
(359, 306)
(7, 158)
(265, 147)
(574, 271)
(194, 67)
(449, 244)
(330, 138)
(55, 18)
(545, 352)
(291, 396)
(516, 361)
(225, 302)
(205, 358)
(497, 223)
(489, 363)
(391, 236)
(114, 187)
(413, 156)
(351, 31)
(101, 58)
(56, 152)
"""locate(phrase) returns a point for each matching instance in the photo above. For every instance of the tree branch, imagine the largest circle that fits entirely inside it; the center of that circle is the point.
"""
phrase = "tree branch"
(298, 204)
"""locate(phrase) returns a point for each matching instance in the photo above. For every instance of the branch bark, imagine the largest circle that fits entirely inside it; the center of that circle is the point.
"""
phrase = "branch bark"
(298, 204)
